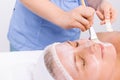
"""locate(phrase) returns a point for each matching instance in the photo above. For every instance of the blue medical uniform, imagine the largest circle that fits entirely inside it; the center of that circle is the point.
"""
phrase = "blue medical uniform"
(28, 31)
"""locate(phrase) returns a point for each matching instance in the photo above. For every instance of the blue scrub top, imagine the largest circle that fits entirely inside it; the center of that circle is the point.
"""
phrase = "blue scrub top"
(27, 31)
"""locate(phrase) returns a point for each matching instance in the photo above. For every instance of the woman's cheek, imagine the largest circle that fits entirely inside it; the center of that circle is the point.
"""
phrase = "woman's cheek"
(109, 60)
(93, 66)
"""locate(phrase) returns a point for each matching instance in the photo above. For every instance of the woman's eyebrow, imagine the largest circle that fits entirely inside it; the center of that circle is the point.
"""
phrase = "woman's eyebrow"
(74, 44)
(69, 42)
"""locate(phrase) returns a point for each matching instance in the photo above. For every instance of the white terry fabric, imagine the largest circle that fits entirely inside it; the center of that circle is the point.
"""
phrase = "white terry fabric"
(40, 71)
(28, 65)
(19, 65)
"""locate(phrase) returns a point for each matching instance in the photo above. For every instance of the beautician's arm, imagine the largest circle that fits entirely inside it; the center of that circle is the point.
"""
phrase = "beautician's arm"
(45, 9)
(81, 17)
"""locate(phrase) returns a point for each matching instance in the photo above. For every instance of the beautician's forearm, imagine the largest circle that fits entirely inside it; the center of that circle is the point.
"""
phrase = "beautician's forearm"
(94, 3)
(46, 10)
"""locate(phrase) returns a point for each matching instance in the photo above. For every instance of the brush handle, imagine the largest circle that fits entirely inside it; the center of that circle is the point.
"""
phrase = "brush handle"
(83, 2)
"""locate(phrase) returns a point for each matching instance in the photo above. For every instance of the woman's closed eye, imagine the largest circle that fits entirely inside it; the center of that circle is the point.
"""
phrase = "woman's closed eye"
(80, 62)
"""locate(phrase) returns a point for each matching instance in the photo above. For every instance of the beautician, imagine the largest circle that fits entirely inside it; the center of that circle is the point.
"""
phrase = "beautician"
(38, 23)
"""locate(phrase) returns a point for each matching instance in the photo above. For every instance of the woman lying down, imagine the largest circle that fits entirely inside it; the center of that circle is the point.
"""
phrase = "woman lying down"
(78, 60)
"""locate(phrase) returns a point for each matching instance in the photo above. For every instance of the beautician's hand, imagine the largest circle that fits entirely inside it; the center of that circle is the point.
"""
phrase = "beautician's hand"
(105, 11)
(80, 17)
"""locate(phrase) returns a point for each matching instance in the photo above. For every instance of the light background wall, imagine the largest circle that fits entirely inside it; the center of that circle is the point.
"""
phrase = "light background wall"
(6, 8)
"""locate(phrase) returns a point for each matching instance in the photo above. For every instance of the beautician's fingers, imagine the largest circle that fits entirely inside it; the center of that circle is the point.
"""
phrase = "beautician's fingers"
(100, 15)
(108, 15)
(78, 25)
(113, 15)
(104, 14)
(88, 13)
(81, 17)
(82, 23)
(105, 11)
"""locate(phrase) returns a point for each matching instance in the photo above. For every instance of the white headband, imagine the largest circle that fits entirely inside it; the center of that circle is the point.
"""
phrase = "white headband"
(41, 71)
(59, 64)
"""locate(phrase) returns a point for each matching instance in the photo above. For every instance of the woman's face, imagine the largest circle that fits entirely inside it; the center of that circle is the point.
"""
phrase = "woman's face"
(87, 60)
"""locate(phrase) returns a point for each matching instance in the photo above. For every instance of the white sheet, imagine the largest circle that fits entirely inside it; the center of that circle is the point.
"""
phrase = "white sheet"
(18, 65)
